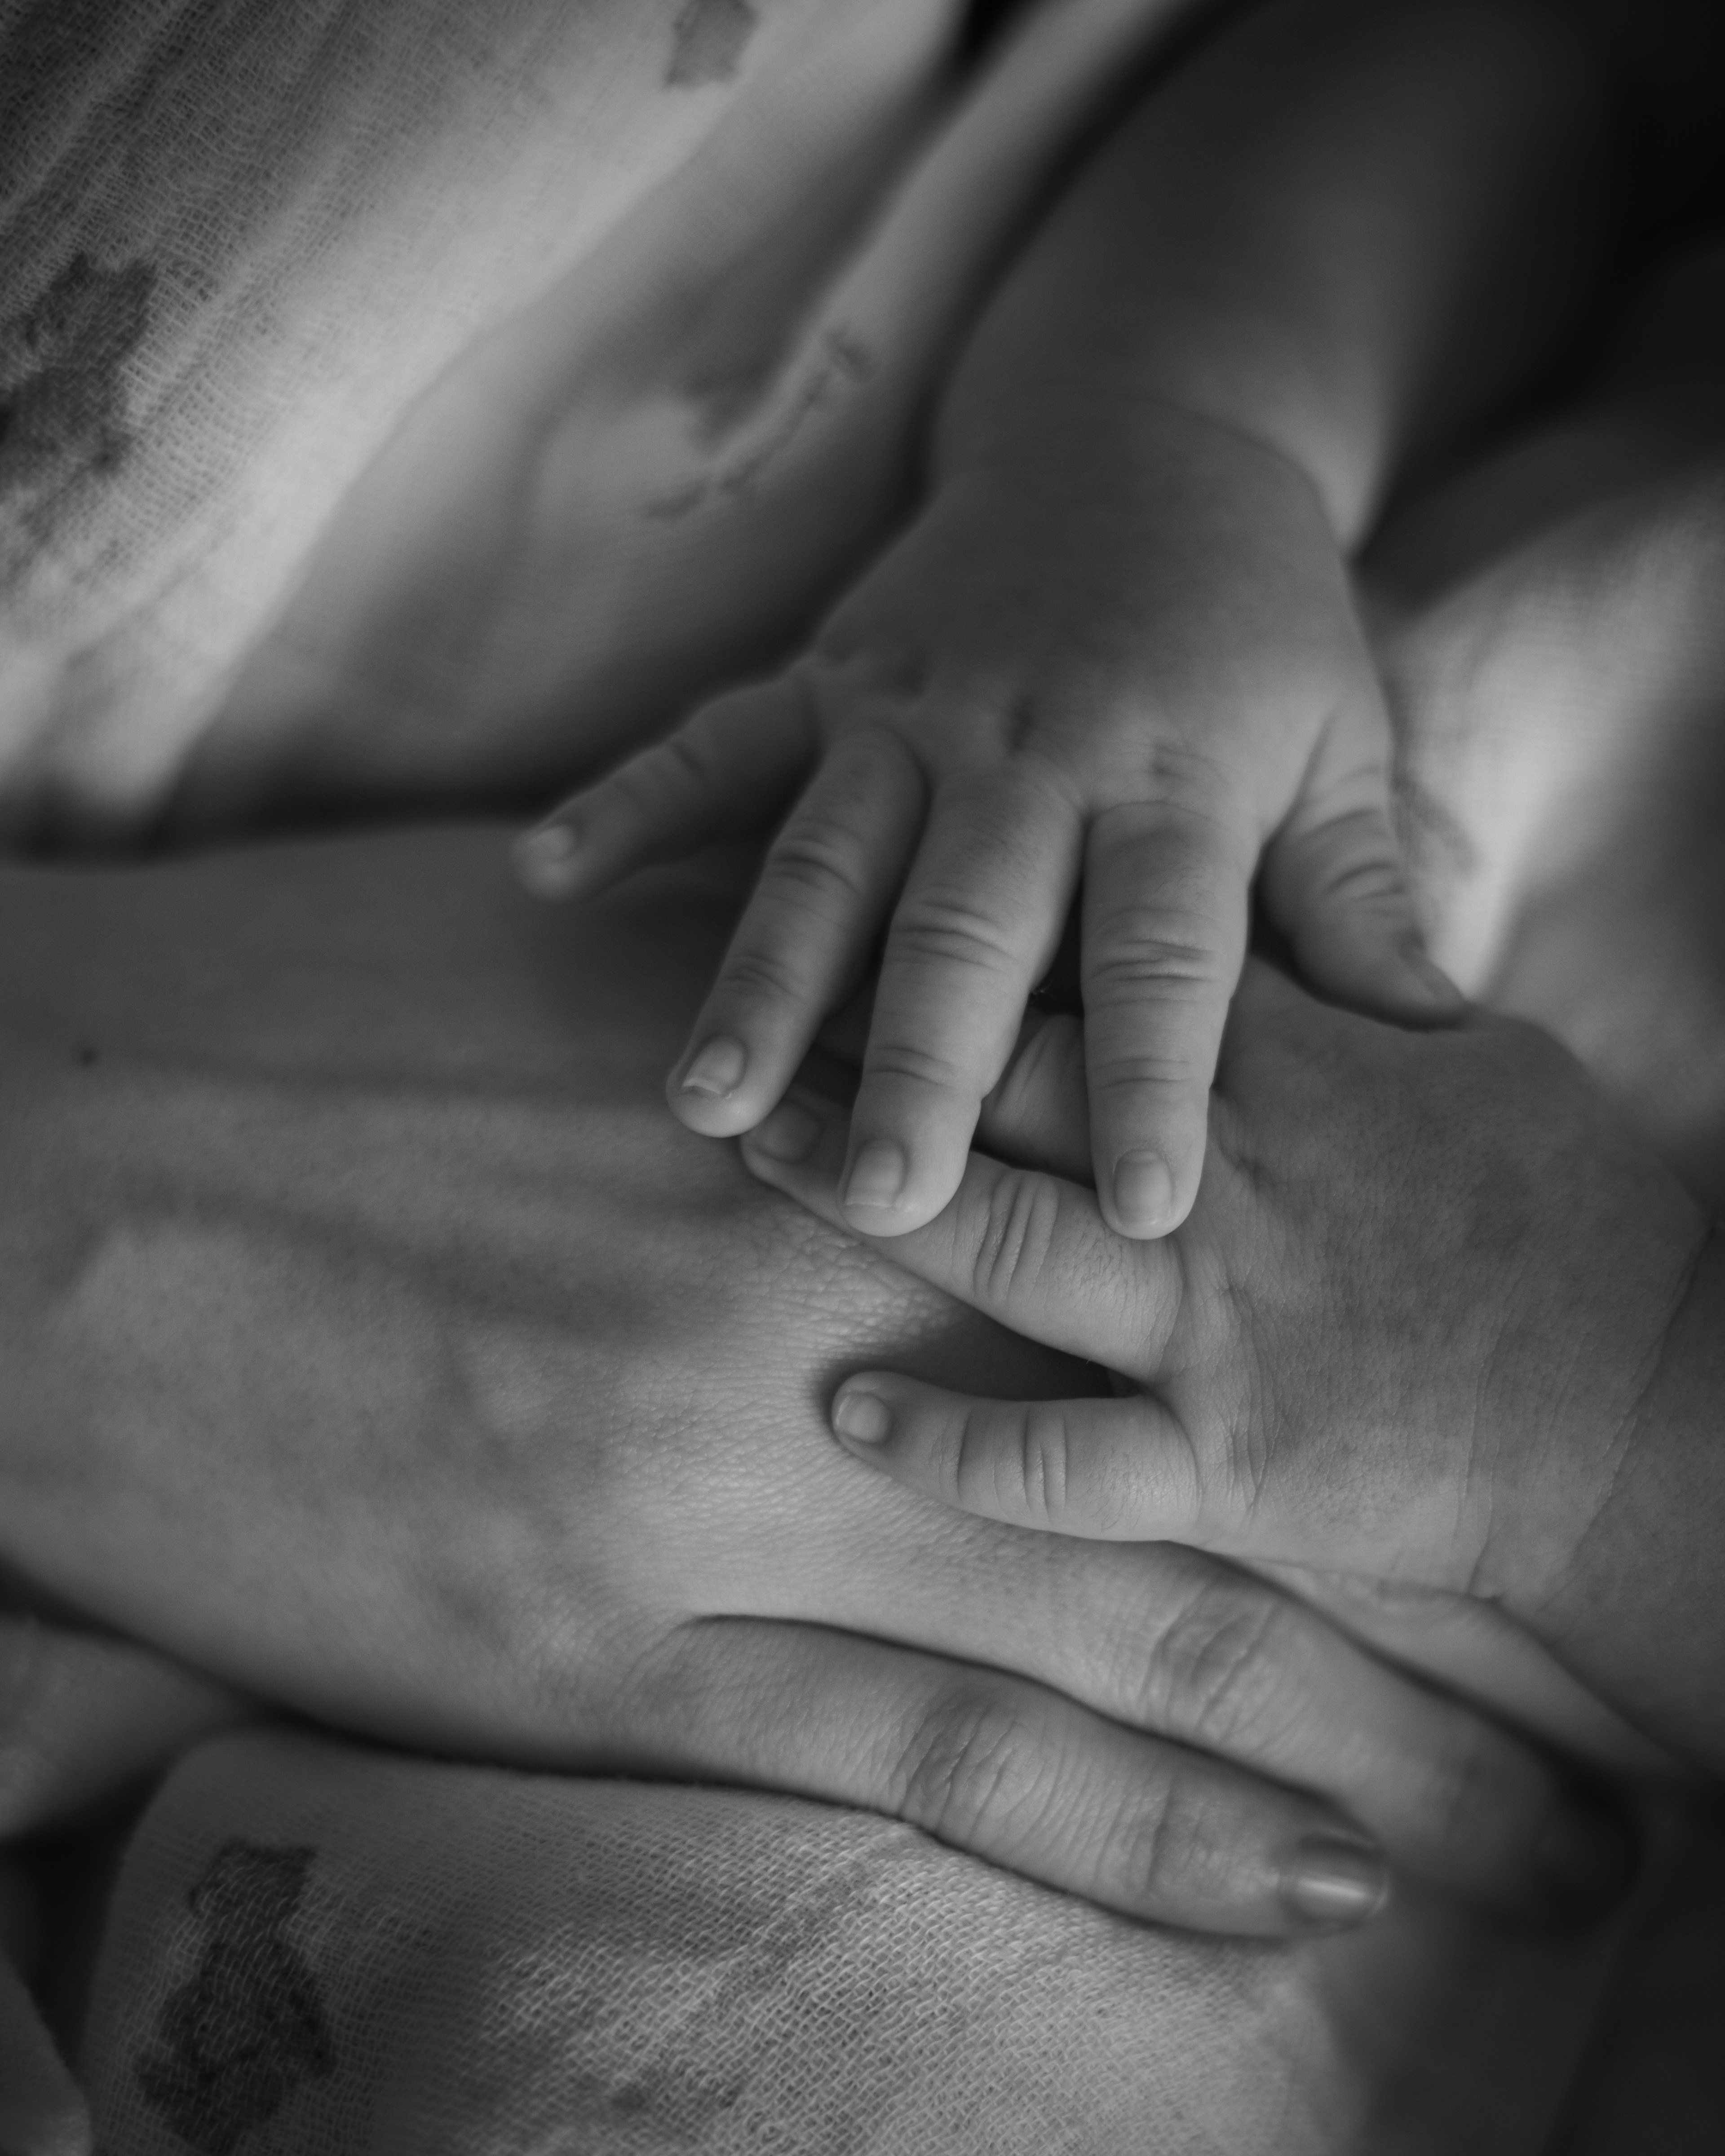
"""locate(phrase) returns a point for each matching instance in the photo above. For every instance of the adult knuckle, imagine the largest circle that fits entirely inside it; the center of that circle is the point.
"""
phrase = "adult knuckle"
(967, 1766)
(1149, 1841)
(1222, 1674)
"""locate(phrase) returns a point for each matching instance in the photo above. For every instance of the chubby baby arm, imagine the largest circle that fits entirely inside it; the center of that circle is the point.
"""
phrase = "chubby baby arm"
(1116, 648)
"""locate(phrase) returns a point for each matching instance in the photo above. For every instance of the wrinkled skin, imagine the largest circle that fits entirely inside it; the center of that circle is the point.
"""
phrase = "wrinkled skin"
(379, 1348)
(1406, 1331)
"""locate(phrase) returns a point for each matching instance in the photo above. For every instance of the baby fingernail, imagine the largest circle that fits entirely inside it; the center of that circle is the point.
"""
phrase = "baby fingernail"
(717, 1069)
(1433, 983)
(545, 859)
(1334, 1883)
(877, 1177)
(862, 1417)
(1143, 1192)
(788, 1134)
(1587, 1858)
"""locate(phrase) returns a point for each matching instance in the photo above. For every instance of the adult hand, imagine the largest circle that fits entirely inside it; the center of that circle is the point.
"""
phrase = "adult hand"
(1408, 1330)
(372, 1343)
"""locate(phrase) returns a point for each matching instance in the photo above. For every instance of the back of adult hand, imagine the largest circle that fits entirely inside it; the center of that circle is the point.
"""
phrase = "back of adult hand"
(1409, 1330)
(373, 1342)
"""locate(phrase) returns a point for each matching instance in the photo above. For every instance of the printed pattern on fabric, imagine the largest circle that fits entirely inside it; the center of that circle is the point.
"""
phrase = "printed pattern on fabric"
(234, 2040)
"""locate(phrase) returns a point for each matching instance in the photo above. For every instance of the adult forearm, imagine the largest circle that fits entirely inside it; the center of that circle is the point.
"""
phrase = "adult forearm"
(1344, 230)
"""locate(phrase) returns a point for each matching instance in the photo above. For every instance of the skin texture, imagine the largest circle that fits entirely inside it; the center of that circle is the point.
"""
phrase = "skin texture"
(1117, 645)
(1548, 622)
(376, 1348)
(1416, 1326)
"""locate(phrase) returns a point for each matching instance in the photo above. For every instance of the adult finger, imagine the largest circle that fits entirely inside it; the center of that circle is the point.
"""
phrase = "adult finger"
(1026, 1248)
(1165, 923)
(1335, 883)
(805, 936)
(728, 768)
(1017, 1774)
(1237, 1669)
(1232, 1664)
(979, 918)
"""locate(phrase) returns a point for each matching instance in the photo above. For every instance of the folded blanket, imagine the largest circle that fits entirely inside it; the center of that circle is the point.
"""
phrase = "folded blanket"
(440, 397)
(320, 1950)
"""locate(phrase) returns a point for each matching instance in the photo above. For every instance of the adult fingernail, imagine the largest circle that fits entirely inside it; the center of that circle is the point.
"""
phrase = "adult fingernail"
(787, 1135)
(717, 1069)
(1143, 1192)
(877, 1177)
(862, 1418)
(1333, 1883)
(1587, 1859)
(545, 859)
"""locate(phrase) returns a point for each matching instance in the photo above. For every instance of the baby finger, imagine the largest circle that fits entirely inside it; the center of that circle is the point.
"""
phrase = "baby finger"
(803, 943)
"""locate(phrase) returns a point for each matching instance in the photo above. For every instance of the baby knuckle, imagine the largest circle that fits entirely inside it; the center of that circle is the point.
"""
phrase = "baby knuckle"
(1221, 1676)
(818, 860)
(1020, 1220)
(944, 929)
(757, 973)
(915, 1063)
(1170, 1067)
(872, 757)
(875, 662)
(1190, 782)
(1044, 1465)
(1012, 1469)
(1141, 946)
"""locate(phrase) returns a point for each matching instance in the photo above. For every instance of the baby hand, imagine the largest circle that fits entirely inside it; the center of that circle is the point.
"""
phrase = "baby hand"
(1141, 677)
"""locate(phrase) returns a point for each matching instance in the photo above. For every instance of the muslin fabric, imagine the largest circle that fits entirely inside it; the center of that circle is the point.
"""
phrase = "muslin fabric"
(201, 237)
(240, 244)
(320, 1951)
